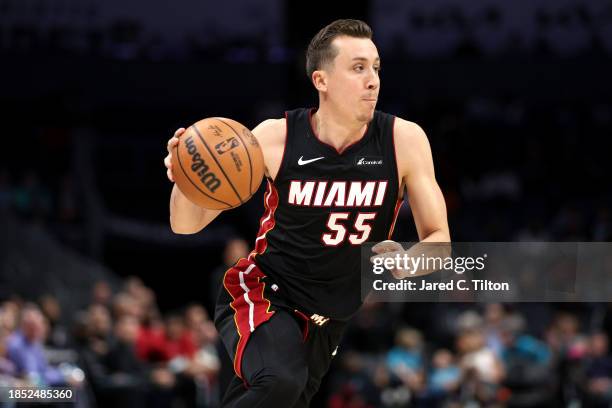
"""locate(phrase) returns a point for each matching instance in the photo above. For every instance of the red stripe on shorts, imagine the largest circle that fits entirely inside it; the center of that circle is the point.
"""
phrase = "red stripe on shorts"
(251, 308)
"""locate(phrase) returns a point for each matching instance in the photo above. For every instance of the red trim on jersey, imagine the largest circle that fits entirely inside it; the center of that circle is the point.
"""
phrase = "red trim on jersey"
(400, 195)
(267, 221)
(251, 308)
(314, 132)
(399, 178)
(305, 322)
(398, 205)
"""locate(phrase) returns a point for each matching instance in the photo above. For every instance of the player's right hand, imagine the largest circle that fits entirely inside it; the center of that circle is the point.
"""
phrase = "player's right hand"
(170, 146)
(389, 249)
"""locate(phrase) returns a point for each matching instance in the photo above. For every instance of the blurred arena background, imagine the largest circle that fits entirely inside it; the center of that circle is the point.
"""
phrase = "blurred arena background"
(516, 98)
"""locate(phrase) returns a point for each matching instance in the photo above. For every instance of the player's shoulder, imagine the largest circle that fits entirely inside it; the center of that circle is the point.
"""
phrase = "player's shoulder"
(407, 133)
(412, 149)
(272, 125)
(271, 131)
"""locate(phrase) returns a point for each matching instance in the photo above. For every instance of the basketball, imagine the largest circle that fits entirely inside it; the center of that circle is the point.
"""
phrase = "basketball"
(218, 163)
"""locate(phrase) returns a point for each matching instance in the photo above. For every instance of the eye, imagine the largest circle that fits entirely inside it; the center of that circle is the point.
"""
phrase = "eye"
(377, 68)
(358, 68)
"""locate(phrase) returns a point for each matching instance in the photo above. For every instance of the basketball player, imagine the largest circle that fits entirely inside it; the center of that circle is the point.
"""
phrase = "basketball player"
(336, 176)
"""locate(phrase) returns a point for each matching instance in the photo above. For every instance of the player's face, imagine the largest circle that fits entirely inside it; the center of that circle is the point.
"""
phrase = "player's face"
(353, 81)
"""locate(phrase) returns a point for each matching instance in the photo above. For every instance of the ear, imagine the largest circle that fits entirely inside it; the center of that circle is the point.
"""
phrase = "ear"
(319, 79)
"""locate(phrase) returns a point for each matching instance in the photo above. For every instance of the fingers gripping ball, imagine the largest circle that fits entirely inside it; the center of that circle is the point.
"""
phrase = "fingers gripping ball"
(218, 163)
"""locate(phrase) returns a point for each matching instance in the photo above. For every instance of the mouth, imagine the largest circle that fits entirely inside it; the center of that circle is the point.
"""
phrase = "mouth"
(370, 99)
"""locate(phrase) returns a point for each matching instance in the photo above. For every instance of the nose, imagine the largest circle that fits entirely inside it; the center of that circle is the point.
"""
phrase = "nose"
(373, 81)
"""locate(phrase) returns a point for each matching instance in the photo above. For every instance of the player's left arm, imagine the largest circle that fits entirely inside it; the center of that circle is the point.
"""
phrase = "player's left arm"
(416, 171)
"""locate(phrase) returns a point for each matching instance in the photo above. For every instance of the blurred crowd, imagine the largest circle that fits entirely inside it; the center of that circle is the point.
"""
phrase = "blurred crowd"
(120, 351)
(487, 356)
(411, 30)
(97, 29)
(422, 29)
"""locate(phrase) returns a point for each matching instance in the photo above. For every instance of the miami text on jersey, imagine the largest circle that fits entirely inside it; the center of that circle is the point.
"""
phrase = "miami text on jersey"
(337, 193)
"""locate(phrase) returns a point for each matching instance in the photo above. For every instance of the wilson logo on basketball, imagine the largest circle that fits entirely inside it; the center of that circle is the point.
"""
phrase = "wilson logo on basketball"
(208, 178)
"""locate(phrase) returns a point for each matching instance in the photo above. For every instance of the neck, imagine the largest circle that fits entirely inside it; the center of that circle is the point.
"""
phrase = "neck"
(336, 130)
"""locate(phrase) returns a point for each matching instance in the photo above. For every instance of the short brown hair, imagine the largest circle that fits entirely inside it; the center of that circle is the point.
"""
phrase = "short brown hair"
(320, 50)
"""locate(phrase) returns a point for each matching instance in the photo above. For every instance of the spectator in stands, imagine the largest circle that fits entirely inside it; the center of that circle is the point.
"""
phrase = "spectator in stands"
(205, 365)
(8, 371)
(355, 387)
(235, 249)
(494, 314)
(598, 372)
(99, 328)
(150, 342)
(9, 315)
(469, 320)
(178, 342)
(117, 376)
(445, 375)
(25, 350)
(125, 304)
(517, 345)
(131, 376)
(206, 357)
(58, 334)
(179, 350)
(102, 293)
(94, 350)
(195, 315)
(139, 301)
(483, 371)
(528, 364)
(135, 287)
(564, 337)
(405, 360)
(407, 353)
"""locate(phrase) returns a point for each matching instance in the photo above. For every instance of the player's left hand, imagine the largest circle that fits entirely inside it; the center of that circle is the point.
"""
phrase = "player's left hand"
(174, 140)
(389, 249)
(387, 246)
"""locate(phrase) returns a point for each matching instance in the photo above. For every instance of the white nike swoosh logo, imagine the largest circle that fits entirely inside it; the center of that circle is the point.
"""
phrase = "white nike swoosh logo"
(303, 162)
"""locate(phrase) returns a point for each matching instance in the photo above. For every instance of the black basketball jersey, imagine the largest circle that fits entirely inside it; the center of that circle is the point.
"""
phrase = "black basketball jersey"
(321, 206)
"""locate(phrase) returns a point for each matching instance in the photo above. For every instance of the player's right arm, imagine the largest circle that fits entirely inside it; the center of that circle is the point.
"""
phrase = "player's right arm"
(185, 216)
(188, 218)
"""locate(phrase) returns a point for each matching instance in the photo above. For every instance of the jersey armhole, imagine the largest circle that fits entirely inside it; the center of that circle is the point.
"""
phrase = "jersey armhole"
(400, 190)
